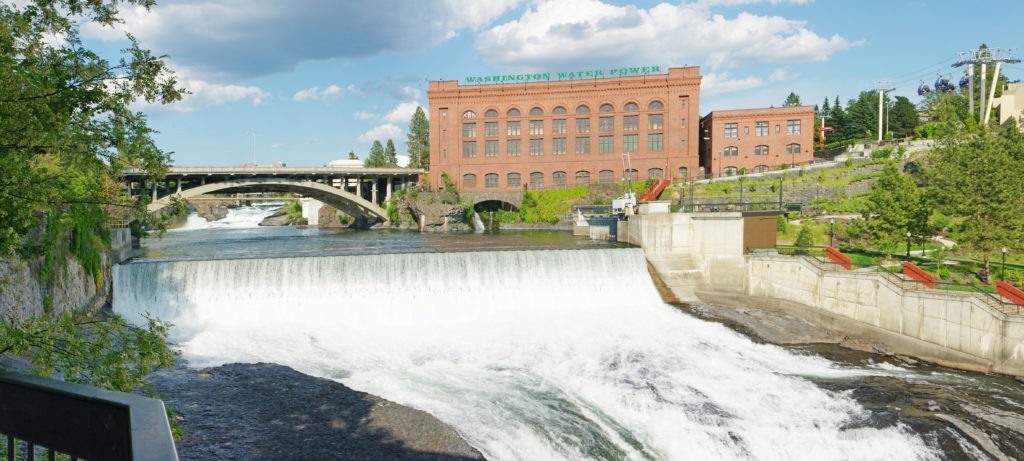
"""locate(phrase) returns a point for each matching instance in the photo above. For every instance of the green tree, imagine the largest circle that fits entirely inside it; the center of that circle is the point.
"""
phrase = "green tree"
(804, 238)
(792, 100)
(418, 140)
(390, 155)
(352, 155)
(895, 206)
(66, 126)
(862, 115)
(838, 122)
(903, 119)
(376, 158)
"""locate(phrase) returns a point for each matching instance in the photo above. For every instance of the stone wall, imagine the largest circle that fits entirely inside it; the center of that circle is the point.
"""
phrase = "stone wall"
(23, 295)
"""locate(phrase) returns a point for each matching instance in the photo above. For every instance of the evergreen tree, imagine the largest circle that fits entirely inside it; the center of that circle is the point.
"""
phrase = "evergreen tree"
(352, 155)
(390, 156)
(895, 206)
(826, 109)
(838, 121)
(804, 238)
(792, 100)
(418, 140)
(903, 118)
(862, 115)
(376, 157)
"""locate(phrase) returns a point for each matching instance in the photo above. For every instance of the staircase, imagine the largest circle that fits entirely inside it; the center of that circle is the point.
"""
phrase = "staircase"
(655, 190)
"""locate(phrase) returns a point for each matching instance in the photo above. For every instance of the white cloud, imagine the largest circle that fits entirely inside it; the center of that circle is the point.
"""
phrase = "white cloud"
(354, 89)
(564, 34)
(411, 93)
(364, 115)
(277, 145)
(781, 75)
(402, 113)
(316, 93)
(713, 84)
(403, 160)
(747, 2)
(234, 39)
(206, 94)
(381, 133)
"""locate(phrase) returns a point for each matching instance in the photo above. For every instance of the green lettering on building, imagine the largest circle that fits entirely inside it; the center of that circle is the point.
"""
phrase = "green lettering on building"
(571, 75)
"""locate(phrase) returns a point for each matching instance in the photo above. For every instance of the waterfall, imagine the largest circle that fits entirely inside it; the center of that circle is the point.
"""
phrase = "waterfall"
(530, 355)
(240, 217)
(478, 224)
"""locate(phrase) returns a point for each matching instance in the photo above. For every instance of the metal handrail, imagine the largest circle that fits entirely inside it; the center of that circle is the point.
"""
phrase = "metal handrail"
(82, 422)
(895, 278)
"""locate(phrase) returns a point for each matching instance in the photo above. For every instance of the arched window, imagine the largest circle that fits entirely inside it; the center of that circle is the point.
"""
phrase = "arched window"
(793, 149)
(582, 110)
(514, 180)
(607, 108)
(761, 169)
(730, 152)
(606, 177)
(491, 113)
(632, 174)
(513, 113)
(469, 114)
(683, 173)
(761, 150)
(582, 178)
(654, 173)
(536, 111)
(491, 180)
(630, 106)
(558, 179)
(729, 171)
(536, 180)
(655, 105)
(469, 181)
(558, 110)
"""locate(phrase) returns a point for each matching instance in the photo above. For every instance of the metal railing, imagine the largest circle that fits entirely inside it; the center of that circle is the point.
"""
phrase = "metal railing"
(60, 420)
(815, 255)
(729, 206)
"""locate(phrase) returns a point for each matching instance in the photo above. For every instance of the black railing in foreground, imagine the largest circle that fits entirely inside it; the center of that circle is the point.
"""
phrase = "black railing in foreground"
(60, 420)
(729, 206)
(816, 255)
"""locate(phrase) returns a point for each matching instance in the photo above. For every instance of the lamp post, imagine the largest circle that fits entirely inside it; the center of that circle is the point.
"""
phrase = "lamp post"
(831, 221)
(908, 245)
(1002, 275)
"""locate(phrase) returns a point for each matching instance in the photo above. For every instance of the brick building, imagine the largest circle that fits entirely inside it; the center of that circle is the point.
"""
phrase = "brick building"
(755, 140)
(537, 135)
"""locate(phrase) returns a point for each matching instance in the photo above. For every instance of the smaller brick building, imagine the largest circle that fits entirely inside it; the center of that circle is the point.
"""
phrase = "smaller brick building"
(754, 140)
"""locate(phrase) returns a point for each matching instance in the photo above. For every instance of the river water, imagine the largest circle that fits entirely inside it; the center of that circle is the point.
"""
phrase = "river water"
(552, 348)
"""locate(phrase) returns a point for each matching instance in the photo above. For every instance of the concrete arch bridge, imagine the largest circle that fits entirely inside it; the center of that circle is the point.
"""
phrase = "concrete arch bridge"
(358, 192)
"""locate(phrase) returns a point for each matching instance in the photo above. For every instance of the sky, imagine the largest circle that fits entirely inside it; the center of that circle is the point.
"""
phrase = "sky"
(305, 82)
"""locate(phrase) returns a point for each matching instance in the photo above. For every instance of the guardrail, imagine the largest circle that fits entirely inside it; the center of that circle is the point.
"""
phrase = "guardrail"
(816, 256)
(74, 421)
(729, 206)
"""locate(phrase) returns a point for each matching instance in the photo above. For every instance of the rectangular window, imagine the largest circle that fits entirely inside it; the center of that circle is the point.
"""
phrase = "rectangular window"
(631, 122)
(682, 104)
(731, 130)
(444, 134)
(558, 126)
(536, 147)
(682, 123)
(491, 148)
(654, 142)
(682, 145)
(513, 148)
(469, 149)
(514, 180)
(657, 122)
(536, 127)
(761, 129)
(746, 130)
(558, 146)
(491, 181)
(606, 124)
(469, 130)
(583, 125)
(793, 127)
(582, 145)
(630, 142)
(491, 129)
(513, 128)
(607, 144)
(777, 129)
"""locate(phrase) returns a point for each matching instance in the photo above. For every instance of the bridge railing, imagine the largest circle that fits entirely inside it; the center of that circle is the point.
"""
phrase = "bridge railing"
(73, 421)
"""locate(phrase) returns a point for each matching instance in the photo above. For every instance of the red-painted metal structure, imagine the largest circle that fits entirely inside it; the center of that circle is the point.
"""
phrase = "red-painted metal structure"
(839, 257)
(918, 274)
(1010, 292)
(655, 190)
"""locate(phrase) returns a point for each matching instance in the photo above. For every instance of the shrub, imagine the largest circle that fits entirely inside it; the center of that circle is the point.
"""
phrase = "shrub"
(803, 239)
(781, 224)
(881, 153)
(849, 162)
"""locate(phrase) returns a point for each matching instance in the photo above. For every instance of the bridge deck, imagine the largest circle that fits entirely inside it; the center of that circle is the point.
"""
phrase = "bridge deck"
(286, 171)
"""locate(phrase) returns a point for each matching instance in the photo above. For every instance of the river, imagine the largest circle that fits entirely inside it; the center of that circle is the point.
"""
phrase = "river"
(540, 345)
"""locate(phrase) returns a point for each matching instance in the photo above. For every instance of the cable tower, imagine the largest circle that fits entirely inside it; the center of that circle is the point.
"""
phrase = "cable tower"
(984, 57)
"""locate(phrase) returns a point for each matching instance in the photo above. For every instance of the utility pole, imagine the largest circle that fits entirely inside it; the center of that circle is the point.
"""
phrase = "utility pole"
(984, 57)
(881, 87)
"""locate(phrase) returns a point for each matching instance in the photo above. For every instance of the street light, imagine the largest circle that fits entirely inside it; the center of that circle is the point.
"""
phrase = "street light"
(908, 245)
(1002, 276)
(831, 221)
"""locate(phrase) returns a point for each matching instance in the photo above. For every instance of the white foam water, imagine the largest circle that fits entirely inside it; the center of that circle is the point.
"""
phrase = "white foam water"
(237, 218)
(530, 355)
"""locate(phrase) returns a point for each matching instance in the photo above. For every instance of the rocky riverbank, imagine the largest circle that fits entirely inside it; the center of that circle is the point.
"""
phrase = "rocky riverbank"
(981, 420)
(267, 411)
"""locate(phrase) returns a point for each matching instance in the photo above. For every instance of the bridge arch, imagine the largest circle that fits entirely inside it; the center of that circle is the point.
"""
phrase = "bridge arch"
(362, 210)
